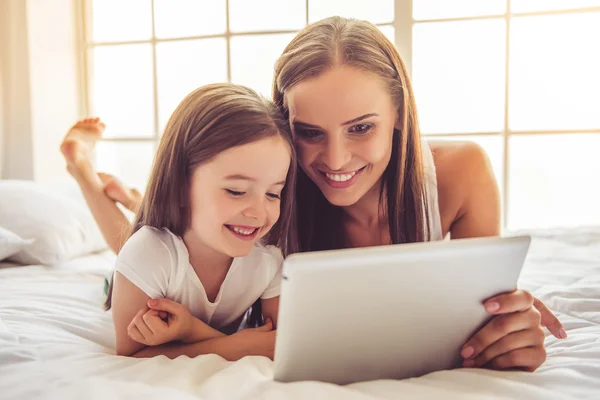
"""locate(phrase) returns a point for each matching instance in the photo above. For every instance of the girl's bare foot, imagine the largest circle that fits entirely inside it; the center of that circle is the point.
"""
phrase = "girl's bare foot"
(129, 197)
(77, 149)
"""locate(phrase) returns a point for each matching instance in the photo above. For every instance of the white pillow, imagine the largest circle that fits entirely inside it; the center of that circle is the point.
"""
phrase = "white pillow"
(60, 227)
(11, 244)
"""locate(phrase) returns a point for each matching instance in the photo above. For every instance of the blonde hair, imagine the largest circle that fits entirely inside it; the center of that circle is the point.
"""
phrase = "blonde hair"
(358, 44)
(207, 122)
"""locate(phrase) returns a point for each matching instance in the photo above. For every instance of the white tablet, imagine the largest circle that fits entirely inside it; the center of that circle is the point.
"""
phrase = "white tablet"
(388, 312)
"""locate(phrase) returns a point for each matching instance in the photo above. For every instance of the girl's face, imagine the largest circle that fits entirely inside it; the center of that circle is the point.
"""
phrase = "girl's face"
(343, 124)
(235, 198)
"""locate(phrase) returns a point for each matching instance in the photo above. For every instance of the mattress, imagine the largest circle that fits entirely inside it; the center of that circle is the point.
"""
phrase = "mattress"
(57, 342)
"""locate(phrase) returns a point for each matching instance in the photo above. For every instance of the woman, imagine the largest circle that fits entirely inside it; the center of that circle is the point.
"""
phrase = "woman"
(366, 176)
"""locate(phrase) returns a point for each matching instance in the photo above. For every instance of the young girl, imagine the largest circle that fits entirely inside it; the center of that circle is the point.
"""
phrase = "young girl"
(224, 171)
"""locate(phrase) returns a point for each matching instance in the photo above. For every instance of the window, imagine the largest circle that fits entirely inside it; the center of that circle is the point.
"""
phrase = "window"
(518, 77)
(143, 56)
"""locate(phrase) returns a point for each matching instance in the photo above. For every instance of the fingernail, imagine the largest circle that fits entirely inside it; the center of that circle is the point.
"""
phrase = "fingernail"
(467, 352)
(152, 302)
(492, 306)
(469, 364)
(562, 333)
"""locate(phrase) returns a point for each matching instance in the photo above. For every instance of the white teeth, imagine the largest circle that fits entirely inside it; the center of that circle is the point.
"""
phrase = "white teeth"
(340, 177)
(244, 232)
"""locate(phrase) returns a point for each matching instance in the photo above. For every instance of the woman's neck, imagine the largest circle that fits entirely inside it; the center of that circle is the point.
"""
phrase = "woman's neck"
(369, 212)
(203, 256)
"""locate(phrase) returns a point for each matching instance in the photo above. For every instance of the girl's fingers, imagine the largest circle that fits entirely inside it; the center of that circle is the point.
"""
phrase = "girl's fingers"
(519, 300)
(153, 322)
(134, 333)
(497, 328)
(143, 328)
(529, 359)
(516, 340)
(141, 325)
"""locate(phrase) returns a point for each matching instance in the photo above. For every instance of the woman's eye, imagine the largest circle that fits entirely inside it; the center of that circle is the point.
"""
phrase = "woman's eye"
(361, 128)
(310, 134)
(235, 193)
(274, 196)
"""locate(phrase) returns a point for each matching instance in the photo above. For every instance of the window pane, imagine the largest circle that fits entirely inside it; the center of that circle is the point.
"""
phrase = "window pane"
(547, 5)
(459, 75)
(181, 18)
(128, 161)
(185, 66)
(554, 181)
(122, 95)
(389, 32)
(119, 21)
(253, 60)
(266, 15)
(437, 9)
(554, 79)
(376, 11)
(493, 146)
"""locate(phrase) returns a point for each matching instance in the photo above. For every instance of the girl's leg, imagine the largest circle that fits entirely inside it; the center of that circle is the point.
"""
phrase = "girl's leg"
(77, 149)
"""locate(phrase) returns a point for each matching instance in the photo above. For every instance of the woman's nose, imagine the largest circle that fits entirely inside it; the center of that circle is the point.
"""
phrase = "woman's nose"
(335, 155)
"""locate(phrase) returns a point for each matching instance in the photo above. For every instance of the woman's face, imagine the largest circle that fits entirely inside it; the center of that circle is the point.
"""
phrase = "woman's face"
(343, 123)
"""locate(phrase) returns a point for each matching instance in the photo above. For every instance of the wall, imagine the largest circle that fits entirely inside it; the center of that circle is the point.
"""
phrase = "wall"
(38, 60)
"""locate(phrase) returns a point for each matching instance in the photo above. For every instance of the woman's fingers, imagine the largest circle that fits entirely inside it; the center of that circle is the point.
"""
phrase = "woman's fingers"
(497, 328)
(549, 320)
(528, 359)
(519, 300)
(517, 340)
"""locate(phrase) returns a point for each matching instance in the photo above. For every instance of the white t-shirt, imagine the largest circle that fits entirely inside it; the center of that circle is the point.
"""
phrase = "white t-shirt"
(157, 262)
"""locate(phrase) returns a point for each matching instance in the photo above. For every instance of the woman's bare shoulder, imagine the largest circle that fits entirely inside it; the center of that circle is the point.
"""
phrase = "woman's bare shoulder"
(463, 172)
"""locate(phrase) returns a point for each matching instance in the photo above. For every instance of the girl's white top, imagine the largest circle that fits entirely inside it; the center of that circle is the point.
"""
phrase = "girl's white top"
(157, 262)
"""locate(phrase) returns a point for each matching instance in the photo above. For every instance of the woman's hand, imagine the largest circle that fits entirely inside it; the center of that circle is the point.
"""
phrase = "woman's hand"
(514, 338)
(164, 322)
(257, 341)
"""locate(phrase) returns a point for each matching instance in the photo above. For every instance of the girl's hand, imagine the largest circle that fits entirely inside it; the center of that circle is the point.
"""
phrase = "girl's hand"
(257, 341)
(512, 339)
(164, 322)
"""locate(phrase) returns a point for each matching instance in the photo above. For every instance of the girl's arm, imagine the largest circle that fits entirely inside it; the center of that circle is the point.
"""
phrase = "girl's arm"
(137, 326)
(260, 341)
(270, 309)
(127, 300)
(249, 342)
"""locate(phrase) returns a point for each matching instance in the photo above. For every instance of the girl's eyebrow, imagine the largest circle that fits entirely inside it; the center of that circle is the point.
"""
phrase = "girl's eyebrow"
(352, 121)
(238, 177)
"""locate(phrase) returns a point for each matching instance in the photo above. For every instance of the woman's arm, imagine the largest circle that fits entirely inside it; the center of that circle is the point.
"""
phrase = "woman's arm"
(468, 192)
(470, 205)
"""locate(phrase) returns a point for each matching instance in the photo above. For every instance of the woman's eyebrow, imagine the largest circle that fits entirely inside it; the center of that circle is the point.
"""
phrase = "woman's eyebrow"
(305, 125)
(352, 121)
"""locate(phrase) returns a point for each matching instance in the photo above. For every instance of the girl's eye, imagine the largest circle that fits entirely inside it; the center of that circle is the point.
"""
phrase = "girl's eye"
(274, 196)
(361, 128)
(310, 134)
(235, 193)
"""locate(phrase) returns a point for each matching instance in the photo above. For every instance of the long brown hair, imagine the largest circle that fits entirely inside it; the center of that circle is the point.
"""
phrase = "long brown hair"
(359, 44)
(207, 122)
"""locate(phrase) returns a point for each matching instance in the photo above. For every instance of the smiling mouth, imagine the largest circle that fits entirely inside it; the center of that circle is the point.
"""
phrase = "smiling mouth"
(341, 180)
(243, 232)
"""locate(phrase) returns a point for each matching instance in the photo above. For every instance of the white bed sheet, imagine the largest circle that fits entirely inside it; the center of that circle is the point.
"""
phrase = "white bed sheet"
(56, 342)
